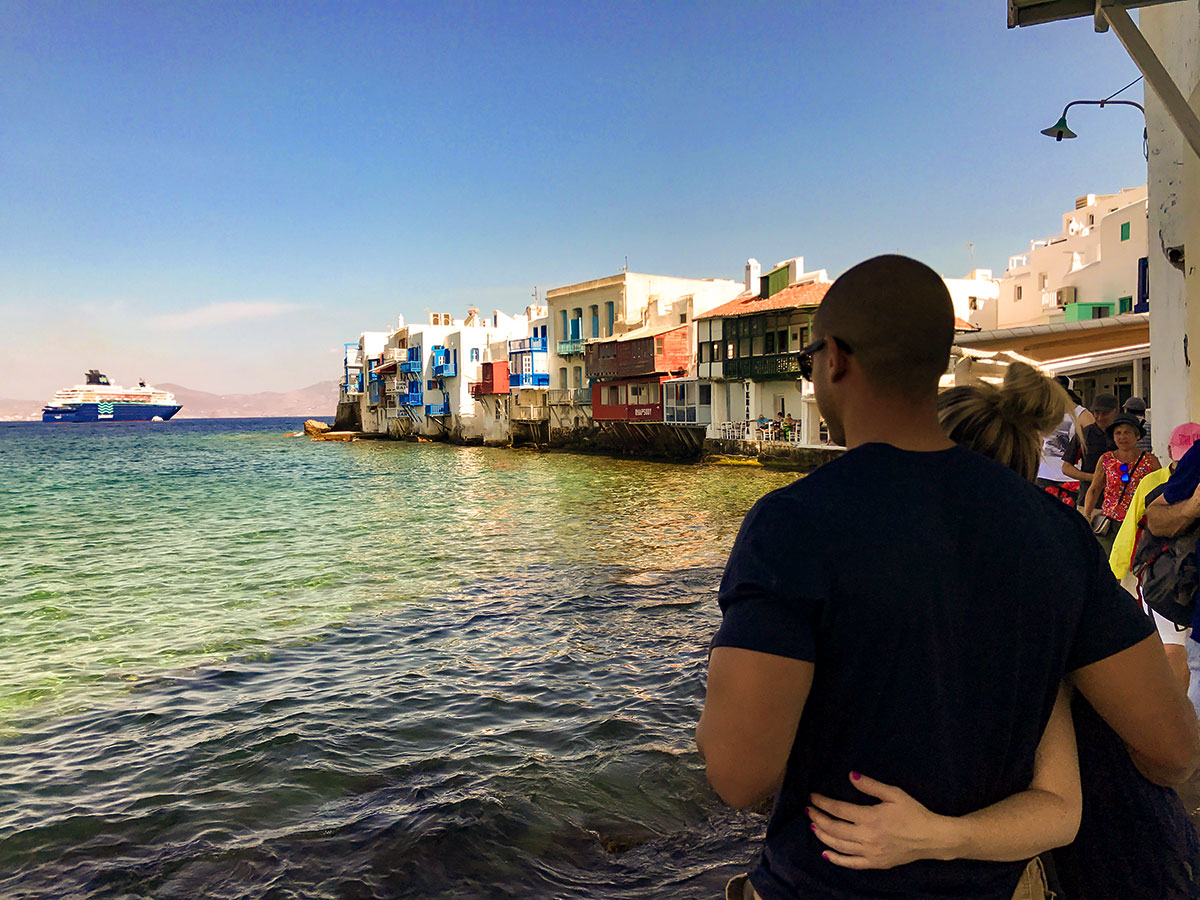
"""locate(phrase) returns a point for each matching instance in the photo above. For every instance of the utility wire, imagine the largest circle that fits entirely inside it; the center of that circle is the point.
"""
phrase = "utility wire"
(1124, 89)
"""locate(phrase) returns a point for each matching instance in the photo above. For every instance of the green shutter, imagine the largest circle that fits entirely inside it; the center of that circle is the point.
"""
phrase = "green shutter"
(1124, 231)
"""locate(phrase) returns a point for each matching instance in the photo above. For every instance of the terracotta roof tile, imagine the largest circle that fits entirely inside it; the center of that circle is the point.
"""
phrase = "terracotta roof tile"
(745, 303)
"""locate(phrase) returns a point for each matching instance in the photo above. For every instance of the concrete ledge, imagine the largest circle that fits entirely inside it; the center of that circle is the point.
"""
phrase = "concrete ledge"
(779, 454)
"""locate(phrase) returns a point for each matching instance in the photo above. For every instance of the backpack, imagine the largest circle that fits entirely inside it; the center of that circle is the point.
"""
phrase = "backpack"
(1166, 574)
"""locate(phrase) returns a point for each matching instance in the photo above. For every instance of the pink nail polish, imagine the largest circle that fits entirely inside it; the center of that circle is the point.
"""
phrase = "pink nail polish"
(825, 856)
(855, 775)
(812, 825)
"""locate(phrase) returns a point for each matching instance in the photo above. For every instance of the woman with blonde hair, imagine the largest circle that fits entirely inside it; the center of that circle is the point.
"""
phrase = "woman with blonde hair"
(1159, 859)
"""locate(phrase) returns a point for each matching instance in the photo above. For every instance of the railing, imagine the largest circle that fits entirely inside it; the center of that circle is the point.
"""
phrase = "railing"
(528, 379)
(752, 431)
(393, 413)
(685, 414)
(567, 348)
(526, 344)
(395, 354)
(393, 383)
(411, 399)
(437, 409)
(475, 388)
(411, 366)
(576, 397)
(763, 366)
(445, 370)
(530, 414)
(1050, 300)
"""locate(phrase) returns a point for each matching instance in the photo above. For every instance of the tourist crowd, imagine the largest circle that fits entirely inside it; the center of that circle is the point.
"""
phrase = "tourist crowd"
(927, 665)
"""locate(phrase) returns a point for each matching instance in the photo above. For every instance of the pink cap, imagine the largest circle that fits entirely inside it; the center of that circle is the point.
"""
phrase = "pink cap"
(1182, 439)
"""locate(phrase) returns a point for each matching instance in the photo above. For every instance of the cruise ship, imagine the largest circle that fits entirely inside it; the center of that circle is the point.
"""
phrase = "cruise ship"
(100, 401)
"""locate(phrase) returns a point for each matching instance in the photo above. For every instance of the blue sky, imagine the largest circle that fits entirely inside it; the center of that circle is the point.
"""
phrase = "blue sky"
(220, 194)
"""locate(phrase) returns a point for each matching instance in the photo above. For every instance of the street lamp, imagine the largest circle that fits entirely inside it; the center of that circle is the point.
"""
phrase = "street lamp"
(1059, 129)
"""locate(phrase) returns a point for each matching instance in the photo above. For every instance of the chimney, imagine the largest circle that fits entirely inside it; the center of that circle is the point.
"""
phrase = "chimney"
(753, 273)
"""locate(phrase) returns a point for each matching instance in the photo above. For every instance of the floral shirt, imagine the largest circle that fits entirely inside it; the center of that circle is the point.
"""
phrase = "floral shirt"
(1115, 503)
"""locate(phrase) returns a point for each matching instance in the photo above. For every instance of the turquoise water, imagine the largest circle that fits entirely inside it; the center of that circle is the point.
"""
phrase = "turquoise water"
(237, 664)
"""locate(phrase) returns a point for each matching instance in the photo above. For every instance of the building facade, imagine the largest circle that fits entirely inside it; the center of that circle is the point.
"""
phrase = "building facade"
(748, 358)
(606, 308)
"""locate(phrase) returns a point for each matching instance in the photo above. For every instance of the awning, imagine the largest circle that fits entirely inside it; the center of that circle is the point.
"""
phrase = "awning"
(1074, 365)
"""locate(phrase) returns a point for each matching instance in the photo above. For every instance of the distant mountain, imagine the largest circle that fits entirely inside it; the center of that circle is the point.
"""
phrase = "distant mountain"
(19, 410)
(315, 400)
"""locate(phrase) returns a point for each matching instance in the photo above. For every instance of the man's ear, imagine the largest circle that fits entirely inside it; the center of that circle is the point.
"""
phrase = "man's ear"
(838, 361)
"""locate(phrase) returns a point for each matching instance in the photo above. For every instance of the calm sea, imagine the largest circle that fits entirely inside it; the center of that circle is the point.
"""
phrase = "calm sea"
(235, 664)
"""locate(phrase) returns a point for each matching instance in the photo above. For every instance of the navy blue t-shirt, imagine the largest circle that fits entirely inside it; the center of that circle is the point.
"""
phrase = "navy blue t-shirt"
(941, 599)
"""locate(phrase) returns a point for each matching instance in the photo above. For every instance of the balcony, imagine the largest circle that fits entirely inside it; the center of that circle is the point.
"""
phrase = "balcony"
(569, 348)
(530, 414)
(576, 397)
(411, 366)
(475, 389)
(529, 380)
(445, 370)
(437, 409)
(411, 399)
(524, 345)
(763, 367)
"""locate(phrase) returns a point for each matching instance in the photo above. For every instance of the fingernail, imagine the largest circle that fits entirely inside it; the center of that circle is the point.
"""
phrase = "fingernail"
(824, 856)
(812, 825)
(855, 775)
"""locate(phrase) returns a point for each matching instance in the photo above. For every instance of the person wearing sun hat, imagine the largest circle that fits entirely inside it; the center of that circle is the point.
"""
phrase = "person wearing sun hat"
(1136, 406)
(1117, 475)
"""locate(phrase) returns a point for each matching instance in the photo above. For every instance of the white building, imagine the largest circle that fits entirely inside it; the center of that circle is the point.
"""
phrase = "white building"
(1088, 270)
(608, 307)
(427, 371)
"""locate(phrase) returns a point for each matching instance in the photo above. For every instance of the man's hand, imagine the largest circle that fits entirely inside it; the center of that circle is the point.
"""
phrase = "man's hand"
(896, 831)
(749, 723)
(1169, 519)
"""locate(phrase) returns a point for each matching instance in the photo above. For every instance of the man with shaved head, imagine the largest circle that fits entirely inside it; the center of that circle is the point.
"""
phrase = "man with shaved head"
(905, 614)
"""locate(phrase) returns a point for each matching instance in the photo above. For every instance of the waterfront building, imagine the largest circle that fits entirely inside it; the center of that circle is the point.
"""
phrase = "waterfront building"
(604, 309)
(747, 357)
(1077, 303)
(529, 380)
(358, 386)
(426, 372)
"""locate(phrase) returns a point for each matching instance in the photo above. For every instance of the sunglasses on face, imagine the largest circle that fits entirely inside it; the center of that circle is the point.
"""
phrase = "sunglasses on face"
(806, 355)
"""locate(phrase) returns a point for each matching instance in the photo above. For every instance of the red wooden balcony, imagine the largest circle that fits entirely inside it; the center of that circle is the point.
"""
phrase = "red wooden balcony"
(640, 353)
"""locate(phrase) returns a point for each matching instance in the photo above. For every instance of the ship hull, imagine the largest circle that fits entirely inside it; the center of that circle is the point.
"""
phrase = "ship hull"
(110, 412)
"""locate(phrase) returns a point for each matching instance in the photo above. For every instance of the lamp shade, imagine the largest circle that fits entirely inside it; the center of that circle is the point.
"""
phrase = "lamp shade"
(1059, 130)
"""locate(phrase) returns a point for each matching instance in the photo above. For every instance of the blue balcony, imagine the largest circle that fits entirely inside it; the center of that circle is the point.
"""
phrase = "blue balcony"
(412, 399)
(526, 344)
(445, 370)
(437, 409)
(411, 367)
(567, 348)
(529, 380)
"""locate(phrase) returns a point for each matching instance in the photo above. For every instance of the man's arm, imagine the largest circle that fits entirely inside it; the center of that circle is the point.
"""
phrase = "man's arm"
(1169, 519)
(751, 712)
(1135, 692)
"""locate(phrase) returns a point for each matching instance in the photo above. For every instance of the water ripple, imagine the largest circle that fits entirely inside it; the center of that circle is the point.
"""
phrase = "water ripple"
(237, 665)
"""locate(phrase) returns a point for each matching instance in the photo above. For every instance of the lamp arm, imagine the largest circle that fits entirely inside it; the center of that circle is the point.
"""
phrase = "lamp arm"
(1103, 103)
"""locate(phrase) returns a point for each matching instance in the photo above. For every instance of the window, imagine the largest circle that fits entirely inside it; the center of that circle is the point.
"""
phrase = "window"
(1018, 297)
(1091, 220)
(973, 303)
(1100, 312)
(562, 378)
(1125, 304)
(577, 375)
(474, 354)
(1042, 281)
(781, 341)
(715, 356)
(658, 346)
(683, 318)
(595, 314)
(706, 395)
(1124, 231)
(563, 334)
(770, 343)
(729, 350)
(610, 316)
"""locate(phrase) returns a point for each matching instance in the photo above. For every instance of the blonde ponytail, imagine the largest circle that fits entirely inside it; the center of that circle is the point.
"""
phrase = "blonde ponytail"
(1007, 422)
